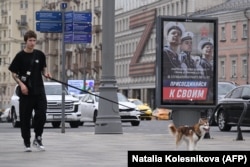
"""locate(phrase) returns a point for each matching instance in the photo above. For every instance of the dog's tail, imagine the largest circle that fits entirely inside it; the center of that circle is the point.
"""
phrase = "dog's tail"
(172, 129)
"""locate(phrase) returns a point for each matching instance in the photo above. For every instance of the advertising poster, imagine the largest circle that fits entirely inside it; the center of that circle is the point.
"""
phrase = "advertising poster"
(89, 86)
(186, 62)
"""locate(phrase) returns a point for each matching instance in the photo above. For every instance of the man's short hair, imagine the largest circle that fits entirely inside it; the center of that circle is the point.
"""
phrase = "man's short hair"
(29, 34)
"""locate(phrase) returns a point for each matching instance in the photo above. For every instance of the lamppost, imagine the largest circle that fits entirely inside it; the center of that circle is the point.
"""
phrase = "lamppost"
(108, 120)
(82, 51)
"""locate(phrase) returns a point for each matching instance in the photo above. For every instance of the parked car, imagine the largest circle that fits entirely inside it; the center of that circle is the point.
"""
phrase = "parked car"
(54, 107)
(162, 114)
(5, 116)
(223, 88)
(146, 111)
(230, 108)
(89, 109)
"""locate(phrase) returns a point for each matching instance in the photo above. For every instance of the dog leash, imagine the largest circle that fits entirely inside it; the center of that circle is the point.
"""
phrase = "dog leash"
(53, 79)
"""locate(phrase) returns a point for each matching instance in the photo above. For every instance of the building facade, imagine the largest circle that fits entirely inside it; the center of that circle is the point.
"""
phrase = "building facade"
(135, 47)
(16, 17)
(233, 42)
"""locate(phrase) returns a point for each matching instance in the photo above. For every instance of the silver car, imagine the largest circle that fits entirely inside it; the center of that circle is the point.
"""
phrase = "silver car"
(89, 109)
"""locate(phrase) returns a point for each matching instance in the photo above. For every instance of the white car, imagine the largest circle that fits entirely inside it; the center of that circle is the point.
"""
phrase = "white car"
(5, 117)
(54, 107)
(89, 109)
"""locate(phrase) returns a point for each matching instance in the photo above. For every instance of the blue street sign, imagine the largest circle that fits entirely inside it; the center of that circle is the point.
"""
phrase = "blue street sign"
(64, 5)
(78, 27)
(77, 16)
(49, 16)
(53, 27)
(77, 38)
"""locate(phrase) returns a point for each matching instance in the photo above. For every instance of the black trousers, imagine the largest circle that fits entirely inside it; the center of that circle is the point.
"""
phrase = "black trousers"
(28, 104)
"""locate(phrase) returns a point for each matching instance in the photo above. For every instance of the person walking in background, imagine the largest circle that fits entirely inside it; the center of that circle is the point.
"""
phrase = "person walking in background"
(27, 69)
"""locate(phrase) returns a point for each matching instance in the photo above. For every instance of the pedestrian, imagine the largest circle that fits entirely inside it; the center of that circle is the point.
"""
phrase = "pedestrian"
(27, 69)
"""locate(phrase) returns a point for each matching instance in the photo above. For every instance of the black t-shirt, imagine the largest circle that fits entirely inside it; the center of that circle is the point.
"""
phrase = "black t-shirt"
(22, 63)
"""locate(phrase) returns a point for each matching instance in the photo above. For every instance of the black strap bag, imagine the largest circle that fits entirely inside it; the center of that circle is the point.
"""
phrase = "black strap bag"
(26, 79)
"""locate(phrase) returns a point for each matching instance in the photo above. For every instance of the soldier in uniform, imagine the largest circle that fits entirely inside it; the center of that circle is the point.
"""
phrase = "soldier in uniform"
(189, 62)
(171, 63)
(206, 47)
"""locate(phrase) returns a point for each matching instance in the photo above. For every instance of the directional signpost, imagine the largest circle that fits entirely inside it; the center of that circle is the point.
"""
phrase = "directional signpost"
(75, 28)
(49, 21)
(76, 25)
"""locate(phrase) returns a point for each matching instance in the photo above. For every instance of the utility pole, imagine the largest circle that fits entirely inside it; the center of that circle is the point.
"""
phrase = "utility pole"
(84, 65)
(108, 119)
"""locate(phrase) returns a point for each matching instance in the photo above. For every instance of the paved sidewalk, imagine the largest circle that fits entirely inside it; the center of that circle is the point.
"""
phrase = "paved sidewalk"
(74, 149)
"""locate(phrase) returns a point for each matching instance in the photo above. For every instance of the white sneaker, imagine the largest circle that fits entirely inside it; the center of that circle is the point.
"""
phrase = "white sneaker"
(27, 149)
(38, 144)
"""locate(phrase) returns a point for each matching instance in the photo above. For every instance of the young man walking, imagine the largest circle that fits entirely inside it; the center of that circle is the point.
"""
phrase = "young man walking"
(27, 69)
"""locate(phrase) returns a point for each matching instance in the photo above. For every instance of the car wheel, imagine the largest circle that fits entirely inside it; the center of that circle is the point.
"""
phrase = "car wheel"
(14, 121)
(148, 118)
(222, 121)
(74, 124)
(56, 124)
(135, 123)
(209, 114)
(94, 116)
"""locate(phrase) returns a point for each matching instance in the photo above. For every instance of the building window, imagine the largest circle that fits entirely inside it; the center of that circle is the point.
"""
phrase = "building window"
(173, 9)
(24, 4)
(177, 8)
(234, 32)
(222, 69)
(234, 69)
(244, 68)
(223, 34)
(244, 33)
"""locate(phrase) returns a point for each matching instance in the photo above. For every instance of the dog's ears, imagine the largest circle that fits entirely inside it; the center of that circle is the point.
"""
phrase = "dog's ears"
(202, 120)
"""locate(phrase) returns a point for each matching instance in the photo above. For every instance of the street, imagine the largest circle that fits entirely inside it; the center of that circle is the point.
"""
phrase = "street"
(82, 147)
(145, 127)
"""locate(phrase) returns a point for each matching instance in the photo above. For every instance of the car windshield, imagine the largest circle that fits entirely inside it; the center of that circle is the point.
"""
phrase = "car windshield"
(121, 98)
(223, 89)
(54, 90)
(138, 102)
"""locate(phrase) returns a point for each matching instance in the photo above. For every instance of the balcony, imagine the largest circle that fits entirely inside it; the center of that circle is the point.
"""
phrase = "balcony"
(22, 24)
(96, 66)
(97, 10)
(88, 48)
(87, 69)
(4, 12)
(96, 28)
(74, 67)
(3, 25)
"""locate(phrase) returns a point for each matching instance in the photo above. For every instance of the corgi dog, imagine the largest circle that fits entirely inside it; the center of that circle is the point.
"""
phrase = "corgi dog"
(190, 134)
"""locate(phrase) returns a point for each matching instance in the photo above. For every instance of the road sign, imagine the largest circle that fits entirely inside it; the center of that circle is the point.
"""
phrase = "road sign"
(77, 38)
(64, 5)
(52, 27)
(49, 16)
(78, 27)
(77, 16)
